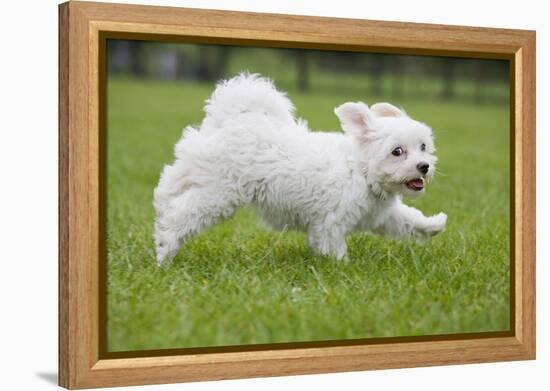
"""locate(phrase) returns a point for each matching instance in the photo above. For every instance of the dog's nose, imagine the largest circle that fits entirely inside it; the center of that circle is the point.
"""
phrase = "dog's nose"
(423, 167)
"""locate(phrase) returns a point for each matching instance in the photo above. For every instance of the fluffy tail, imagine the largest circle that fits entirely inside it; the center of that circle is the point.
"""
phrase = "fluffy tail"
(248, 93)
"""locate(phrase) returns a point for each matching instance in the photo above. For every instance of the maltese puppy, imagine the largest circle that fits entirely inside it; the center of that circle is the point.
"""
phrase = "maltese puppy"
(251, 150)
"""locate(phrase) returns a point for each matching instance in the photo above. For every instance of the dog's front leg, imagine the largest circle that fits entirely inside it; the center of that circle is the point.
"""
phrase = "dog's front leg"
(405, 222)
(328, 242)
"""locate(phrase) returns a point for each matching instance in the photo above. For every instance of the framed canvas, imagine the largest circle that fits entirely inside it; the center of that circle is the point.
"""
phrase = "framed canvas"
(227, 297)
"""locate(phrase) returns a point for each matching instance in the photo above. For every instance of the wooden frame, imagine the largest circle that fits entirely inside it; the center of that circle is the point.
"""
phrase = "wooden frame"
(81, 24)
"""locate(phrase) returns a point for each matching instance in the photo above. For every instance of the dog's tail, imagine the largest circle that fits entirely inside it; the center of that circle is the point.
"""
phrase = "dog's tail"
(248, 93)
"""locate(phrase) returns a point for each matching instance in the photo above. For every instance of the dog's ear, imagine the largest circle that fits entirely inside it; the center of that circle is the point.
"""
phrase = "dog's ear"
(355, 118)
(387, 110)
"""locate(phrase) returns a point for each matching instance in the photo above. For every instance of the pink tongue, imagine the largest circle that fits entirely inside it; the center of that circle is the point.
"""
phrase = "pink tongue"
(417, 182)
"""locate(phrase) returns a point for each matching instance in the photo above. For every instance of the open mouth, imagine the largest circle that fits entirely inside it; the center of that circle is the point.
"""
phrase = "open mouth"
(416, 184)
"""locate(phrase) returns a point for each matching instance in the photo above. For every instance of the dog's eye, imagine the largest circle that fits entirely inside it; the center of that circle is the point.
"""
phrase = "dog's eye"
(423, 147)
(397, 151)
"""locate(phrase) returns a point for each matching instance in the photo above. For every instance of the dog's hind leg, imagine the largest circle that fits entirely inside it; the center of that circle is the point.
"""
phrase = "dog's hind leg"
(181, 216)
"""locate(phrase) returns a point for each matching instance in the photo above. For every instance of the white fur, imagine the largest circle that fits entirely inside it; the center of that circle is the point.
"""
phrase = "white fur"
(249, 149)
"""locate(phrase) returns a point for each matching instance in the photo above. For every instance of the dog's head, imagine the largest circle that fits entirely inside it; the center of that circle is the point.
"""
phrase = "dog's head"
(397, 152)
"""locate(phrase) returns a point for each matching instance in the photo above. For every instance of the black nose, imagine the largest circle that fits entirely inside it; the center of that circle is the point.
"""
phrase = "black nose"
(423, 167)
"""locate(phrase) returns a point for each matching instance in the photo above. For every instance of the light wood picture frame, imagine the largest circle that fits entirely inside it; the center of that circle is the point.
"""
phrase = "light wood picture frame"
(83, 29)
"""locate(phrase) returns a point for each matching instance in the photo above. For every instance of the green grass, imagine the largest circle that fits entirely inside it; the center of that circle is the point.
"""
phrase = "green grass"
(239, 283)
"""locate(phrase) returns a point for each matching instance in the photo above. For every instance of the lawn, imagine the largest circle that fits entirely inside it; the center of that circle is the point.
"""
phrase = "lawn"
(239, 283)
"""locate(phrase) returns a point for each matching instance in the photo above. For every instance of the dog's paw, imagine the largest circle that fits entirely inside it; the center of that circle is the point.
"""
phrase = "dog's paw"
(165, 253)
(432, 226)
(436, 224)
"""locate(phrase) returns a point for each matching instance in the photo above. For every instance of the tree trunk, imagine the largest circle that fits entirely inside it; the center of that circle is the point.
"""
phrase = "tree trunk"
(448, 87)
(302, 73)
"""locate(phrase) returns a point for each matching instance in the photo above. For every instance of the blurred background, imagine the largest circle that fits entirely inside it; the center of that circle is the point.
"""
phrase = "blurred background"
(395, 76)
(239, 283)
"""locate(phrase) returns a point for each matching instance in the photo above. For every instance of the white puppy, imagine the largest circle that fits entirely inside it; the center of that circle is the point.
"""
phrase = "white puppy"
(249, 149)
